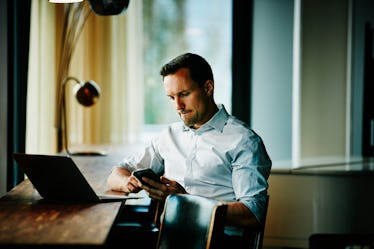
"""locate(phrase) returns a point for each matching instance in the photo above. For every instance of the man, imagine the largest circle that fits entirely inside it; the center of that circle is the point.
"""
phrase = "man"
(210, 153)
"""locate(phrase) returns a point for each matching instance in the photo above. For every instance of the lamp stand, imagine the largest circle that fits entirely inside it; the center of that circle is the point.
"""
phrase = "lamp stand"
(75, 16)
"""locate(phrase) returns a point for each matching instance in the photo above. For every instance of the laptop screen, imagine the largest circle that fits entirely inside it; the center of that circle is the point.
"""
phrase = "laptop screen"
(56, 177)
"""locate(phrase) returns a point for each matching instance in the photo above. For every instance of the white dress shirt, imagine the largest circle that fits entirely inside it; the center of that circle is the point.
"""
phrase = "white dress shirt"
(223, 159)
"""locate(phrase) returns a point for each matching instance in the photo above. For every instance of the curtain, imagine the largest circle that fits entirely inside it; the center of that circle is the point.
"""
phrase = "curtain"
(14, 50)
(108, 51)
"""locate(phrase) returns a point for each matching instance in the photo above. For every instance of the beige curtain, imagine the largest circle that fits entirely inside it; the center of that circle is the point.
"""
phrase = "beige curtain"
(109, 51)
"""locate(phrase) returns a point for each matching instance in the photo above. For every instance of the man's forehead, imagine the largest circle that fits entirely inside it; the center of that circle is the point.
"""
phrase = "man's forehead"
(176, 83)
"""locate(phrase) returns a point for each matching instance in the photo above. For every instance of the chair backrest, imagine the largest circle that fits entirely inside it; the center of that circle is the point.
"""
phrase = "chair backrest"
(190, 221)
(256, 237)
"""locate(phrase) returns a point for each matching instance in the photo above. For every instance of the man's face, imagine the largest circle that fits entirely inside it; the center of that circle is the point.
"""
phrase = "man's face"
(190, 100)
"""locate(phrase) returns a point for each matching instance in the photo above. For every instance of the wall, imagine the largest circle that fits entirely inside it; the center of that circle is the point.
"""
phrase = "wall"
(272, 75)
(323, 81)
(363, 11)
(315, 120)
(329, 118)
(302, 204)
(3, 96)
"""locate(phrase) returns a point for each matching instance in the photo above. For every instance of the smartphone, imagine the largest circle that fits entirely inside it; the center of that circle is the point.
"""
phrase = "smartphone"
(147, 173)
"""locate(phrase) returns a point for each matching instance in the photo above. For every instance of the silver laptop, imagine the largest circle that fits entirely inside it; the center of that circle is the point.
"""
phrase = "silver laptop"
(57, 178)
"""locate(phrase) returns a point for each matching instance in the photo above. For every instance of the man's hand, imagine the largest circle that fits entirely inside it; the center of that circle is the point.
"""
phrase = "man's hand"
(132, 184)
(159, 191)
(122, 180)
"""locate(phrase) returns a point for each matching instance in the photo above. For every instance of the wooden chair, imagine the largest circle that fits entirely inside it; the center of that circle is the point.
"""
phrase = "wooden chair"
(190, 221)
(256, 237)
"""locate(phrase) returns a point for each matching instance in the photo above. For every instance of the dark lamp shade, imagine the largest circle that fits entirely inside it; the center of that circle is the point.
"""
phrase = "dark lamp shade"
(109, 7)
(87, 93)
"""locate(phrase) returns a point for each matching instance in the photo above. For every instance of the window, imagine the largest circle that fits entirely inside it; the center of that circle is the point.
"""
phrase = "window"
(174, 27)
(125, 60)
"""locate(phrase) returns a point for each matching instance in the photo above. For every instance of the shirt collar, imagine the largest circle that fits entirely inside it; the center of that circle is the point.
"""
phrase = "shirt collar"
(217, 122)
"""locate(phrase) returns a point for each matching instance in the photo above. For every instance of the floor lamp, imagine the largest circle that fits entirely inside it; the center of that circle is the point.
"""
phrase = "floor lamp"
(75, 16)
(87, 94)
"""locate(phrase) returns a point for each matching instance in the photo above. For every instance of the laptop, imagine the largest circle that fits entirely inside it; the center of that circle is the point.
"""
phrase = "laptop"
(57, 178)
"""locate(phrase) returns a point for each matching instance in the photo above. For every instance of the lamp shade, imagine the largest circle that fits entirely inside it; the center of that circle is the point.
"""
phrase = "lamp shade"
(65, 1)
(109, 7)
(87, 93)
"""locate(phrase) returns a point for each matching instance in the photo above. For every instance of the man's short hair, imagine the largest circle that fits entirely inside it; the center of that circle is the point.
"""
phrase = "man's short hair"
(200, 70)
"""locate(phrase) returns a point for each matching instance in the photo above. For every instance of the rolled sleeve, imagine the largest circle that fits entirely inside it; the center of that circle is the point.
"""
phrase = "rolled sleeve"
(251, 170)
(148, 158)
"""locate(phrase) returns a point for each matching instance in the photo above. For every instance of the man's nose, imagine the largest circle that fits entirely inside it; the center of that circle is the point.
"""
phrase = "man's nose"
(179, 104)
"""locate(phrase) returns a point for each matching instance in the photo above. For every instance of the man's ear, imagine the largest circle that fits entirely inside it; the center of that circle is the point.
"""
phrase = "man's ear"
(209, 87)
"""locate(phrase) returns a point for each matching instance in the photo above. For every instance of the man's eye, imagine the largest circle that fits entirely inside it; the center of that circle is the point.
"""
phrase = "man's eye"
(184, 94)
(171, 97)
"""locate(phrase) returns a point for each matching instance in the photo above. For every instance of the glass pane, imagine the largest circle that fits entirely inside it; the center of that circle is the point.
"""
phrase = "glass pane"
(173, 27)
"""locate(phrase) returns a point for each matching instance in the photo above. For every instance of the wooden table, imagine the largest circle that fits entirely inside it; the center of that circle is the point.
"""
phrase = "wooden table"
(28, 220)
